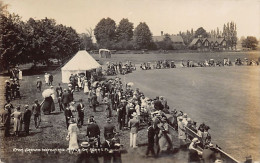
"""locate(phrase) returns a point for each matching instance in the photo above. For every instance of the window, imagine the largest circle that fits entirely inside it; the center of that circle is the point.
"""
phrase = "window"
(206, 43)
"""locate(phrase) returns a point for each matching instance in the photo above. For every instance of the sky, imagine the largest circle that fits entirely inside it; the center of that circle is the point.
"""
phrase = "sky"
(169, 16)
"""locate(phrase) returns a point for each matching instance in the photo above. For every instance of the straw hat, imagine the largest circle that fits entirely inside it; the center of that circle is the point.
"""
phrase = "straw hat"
(134, 114)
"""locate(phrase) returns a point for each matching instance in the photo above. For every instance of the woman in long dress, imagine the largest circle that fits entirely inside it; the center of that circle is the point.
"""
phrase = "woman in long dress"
(48, 103)
(46, 77)
(86, 89)
(98, 93)
(17, 121)
(73, 132)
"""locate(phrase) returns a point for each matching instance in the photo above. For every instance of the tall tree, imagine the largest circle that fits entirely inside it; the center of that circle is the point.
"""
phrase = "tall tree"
(124, 31)
(142, 36)
(105, 32)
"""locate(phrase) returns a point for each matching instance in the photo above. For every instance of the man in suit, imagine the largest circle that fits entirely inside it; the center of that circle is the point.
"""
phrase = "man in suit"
(80, 109)
(68, 114)
(109, 129)
(36, 110)
(6, 120)
(153, 132)
(27, 119)
(93, 131)
(121, 114)
(65, 98)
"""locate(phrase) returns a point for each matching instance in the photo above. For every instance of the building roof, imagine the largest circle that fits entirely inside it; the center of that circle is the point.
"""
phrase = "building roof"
(174, 38)
(194, 41)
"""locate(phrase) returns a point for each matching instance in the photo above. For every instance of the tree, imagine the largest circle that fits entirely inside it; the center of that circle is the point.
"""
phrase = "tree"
(11, 40)
(201, 32)
(105, 32)
(124, 30)
(250, 42)
(230, 34)
(142, 36)
(86, 42)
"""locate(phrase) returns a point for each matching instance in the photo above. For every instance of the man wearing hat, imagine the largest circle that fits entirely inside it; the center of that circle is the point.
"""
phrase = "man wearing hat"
(36, 110)
(93, 131)
(121, 113)
(65, 98)
(109, 129)
(80, 109)
(7, 90)
(26, 119)
(133, 124)
(39, 84)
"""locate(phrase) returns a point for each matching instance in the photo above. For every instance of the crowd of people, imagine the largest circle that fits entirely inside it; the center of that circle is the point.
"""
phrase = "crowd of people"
(119, 68)
(132, 109)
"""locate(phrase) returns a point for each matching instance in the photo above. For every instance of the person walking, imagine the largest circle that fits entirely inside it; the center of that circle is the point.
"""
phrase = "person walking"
(27, 119)
(39, 84)
(133, 124)
(65, 98)
(36, 110)
(80, 109)
(17, 114)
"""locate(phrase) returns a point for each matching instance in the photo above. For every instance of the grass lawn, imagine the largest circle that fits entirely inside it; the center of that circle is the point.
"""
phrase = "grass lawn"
(225, 98)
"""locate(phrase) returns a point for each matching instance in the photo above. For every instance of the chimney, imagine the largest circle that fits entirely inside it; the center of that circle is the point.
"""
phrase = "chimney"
(161, 33)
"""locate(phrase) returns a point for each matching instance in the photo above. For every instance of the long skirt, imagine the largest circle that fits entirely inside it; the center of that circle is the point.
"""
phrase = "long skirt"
(17, 125)
(48, 105)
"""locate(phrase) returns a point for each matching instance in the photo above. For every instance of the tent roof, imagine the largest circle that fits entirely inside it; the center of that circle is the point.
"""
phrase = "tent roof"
(81, 61)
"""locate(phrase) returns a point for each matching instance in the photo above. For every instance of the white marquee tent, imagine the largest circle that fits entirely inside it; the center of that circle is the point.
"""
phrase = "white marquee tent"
(80, 63)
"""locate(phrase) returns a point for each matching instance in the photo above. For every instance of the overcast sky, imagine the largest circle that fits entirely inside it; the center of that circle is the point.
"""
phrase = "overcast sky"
(170, 16)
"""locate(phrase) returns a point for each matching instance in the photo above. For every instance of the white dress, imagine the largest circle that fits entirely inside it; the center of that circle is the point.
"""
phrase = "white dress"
(73, 131)
(46, 76)
(86, 90)
(20, 75)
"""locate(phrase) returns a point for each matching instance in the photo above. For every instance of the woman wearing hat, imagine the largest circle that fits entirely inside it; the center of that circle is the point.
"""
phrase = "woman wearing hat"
(194, 152)
(181, 132)
(17, 114)
(72, 136)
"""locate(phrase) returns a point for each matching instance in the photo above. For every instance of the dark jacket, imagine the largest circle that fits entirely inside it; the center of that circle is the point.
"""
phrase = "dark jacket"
(27, 116)
(93, 130)
(79, 109)
(65, 98)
